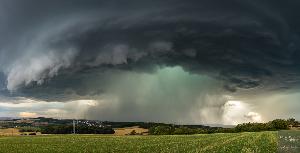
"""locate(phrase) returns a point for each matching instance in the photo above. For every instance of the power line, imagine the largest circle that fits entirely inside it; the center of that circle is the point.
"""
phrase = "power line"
(74, 127)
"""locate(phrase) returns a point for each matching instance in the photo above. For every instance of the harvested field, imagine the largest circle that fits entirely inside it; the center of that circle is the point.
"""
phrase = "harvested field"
(128, 130)
(9, 132)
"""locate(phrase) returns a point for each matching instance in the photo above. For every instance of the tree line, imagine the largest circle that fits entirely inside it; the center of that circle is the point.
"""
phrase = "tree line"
(277, 124)
(162, 128)
(80, 129)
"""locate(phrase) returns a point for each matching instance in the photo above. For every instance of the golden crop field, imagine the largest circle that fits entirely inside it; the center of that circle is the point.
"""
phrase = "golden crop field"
(9, 132)
(127, 130)
(263, 142)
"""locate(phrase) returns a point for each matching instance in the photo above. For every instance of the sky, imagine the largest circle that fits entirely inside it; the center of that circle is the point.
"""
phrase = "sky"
(173, 61)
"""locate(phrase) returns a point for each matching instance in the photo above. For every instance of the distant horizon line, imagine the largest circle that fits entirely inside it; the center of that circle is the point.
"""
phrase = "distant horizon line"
(204, 124)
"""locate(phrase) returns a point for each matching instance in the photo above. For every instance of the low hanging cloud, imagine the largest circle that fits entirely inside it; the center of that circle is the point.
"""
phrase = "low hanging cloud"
(79, 50)
(38, 69)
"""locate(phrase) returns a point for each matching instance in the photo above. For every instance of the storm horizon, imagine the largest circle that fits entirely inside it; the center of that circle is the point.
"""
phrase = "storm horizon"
(172, 61)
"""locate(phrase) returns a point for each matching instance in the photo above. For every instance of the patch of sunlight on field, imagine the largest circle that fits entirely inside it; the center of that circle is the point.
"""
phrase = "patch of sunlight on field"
(232, 142)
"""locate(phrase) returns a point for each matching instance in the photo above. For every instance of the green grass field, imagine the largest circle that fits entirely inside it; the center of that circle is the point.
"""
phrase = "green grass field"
(232, 142)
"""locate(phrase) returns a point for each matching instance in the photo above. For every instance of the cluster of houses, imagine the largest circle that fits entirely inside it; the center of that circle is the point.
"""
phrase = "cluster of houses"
(42, 121)
(23, 121)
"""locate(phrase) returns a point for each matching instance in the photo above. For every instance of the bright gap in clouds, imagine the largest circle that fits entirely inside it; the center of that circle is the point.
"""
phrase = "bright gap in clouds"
(27, 114)
(236, 112)
(27, 108)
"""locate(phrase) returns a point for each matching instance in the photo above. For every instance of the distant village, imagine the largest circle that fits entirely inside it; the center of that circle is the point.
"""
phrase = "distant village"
(39, 125)
(43, 121)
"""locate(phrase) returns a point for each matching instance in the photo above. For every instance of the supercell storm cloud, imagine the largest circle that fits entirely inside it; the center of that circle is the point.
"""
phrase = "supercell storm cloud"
(198, 52)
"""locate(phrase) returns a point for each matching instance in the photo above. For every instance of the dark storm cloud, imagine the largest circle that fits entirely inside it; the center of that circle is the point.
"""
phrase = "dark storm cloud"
(53, 49)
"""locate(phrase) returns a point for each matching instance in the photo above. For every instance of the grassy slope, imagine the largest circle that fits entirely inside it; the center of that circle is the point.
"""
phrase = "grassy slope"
(235, 142)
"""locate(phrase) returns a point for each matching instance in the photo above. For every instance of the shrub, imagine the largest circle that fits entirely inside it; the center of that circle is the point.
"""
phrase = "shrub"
(279, 124)
(161, 130)
(29, 129)
(133, 132)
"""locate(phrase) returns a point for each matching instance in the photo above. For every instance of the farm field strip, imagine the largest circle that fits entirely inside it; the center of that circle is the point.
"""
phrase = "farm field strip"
(222, 143)
(254, 142)
(232, 142)
(178, 141)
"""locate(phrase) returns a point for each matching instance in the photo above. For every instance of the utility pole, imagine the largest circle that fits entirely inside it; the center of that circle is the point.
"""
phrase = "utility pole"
(74, 130)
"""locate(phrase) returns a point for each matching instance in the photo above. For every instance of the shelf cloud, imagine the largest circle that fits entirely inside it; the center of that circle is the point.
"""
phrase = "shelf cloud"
(72, 50)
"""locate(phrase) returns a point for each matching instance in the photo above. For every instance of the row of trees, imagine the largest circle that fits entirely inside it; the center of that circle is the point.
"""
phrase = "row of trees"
(182, 130)
(293, 122)
(81, 129)
(277, 124)
(29, 129)
(163, 129)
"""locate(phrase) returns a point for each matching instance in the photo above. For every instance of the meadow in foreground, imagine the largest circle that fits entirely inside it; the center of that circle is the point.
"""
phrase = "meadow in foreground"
(231, 142)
